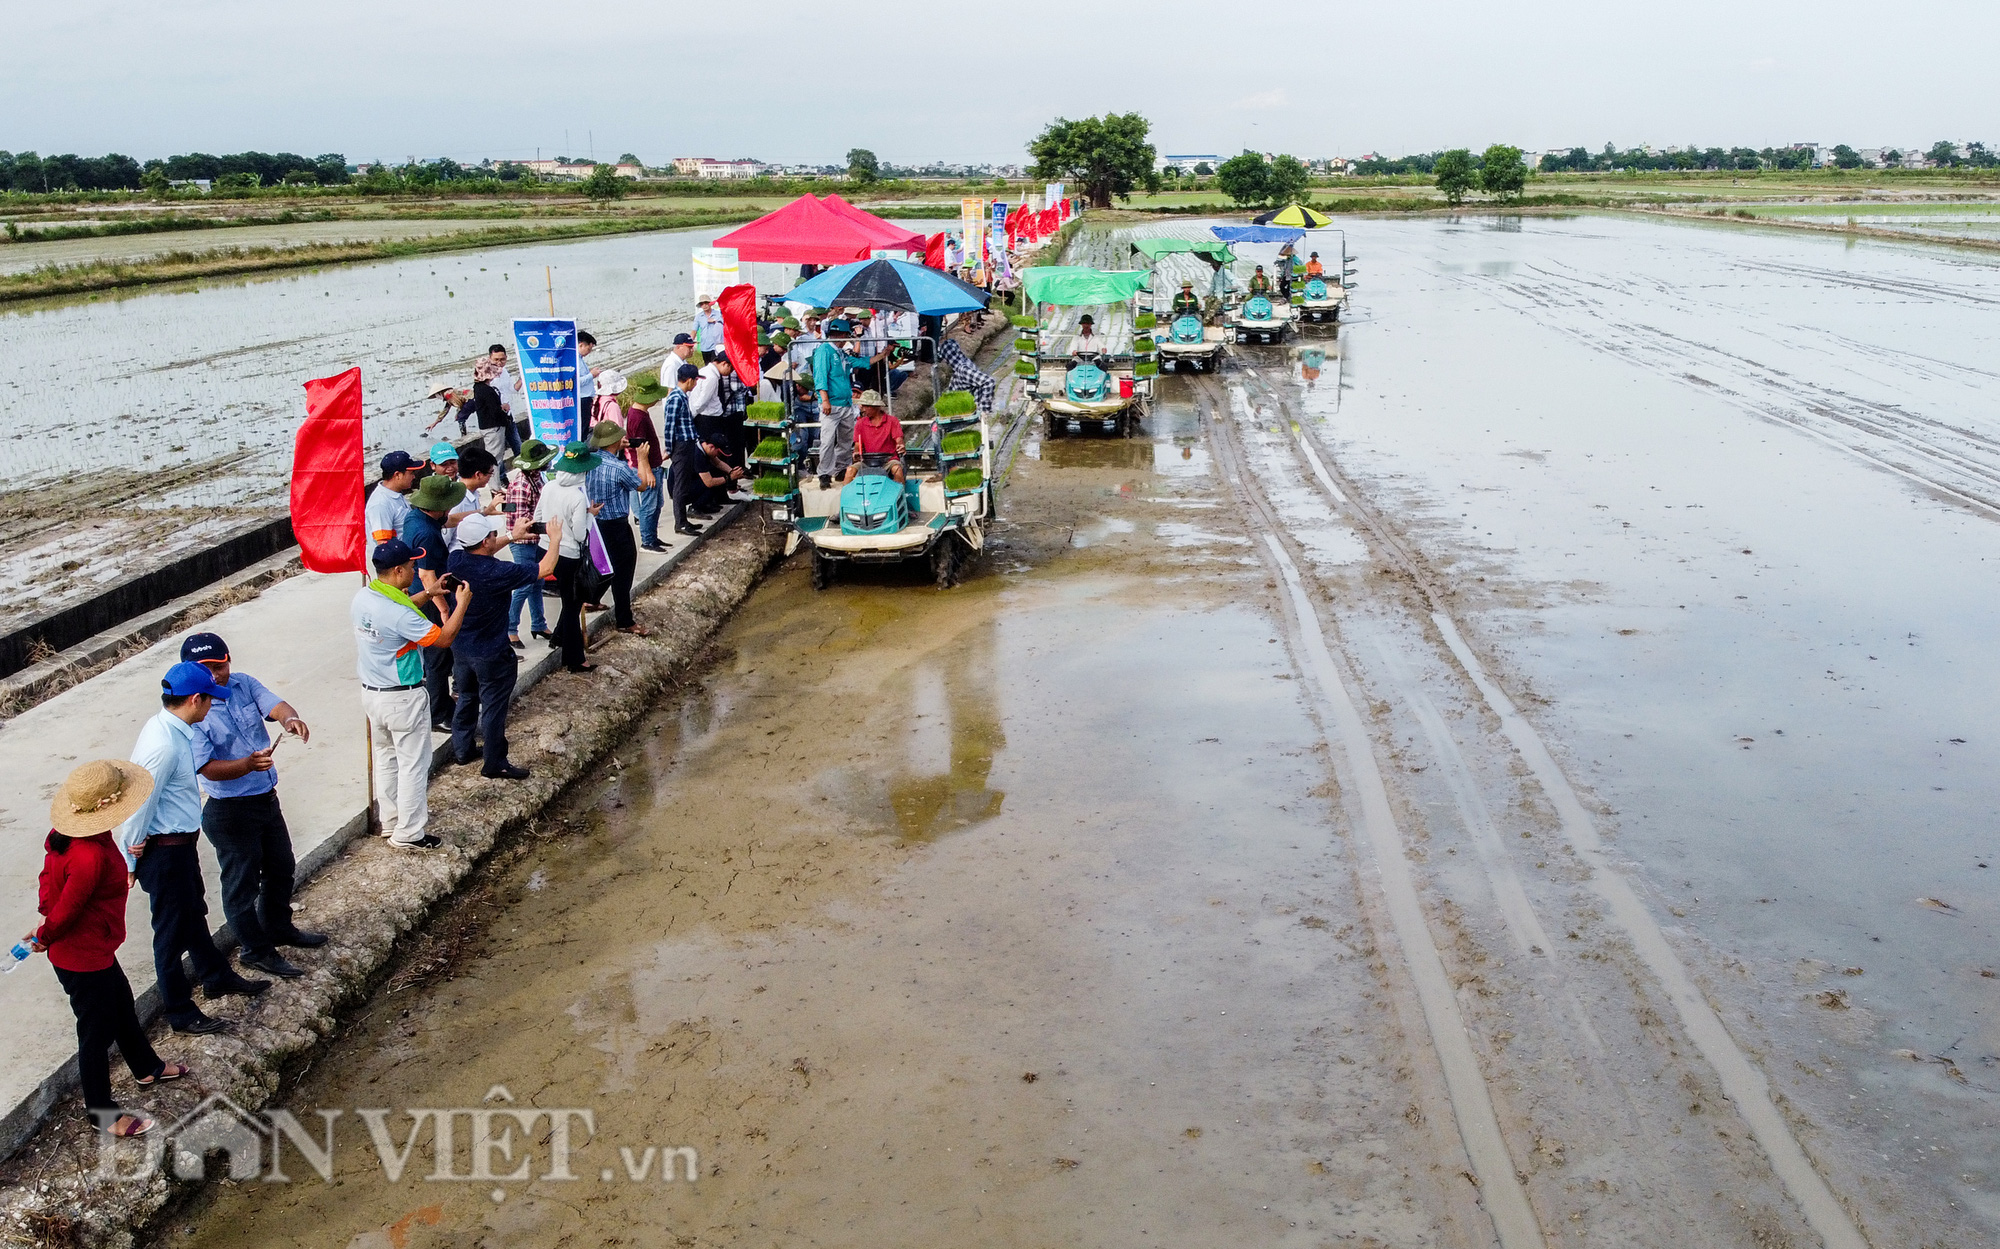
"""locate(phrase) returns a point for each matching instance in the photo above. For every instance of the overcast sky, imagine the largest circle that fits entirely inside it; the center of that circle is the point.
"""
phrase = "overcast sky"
(945, 80)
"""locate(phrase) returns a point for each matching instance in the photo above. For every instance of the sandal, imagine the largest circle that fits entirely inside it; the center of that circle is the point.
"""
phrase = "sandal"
(637, 631)
(167, 1071)
(126, 1125)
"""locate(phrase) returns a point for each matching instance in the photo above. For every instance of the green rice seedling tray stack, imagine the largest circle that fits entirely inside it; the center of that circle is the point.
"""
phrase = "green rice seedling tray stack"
(962, 444)
(963, 481)
(766, 416)
(772, 450)
(774, 487)
(955, 407)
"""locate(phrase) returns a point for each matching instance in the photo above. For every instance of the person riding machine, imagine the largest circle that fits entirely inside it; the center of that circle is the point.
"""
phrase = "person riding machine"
(1187, 303)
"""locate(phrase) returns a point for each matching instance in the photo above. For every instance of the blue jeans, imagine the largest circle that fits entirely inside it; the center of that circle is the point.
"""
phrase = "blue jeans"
(646, 506)
(526, 553)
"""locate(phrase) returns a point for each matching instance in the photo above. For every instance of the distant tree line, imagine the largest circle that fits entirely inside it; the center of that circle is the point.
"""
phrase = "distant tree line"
(36, 174)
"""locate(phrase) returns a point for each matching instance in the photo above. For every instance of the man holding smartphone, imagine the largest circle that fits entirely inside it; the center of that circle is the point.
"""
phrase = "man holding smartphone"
(483, 665)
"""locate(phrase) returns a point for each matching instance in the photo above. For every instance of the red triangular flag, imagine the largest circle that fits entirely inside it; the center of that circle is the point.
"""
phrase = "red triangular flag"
(327, 494)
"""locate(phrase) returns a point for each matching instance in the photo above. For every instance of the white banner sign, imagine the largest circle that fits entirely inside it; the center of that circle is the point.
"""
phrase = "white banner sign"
(715, 269)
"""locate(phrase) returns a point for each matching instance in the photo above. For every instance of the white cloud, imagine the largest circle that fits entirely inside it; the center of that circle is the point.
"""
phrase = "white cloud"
(1262, 100)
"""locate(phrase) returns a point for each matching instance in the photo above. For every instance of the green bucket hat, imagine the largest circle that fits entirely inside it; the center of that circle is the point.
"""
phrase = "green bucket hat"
(791, 323)
(644, 389)
(763, 340)
(534, 456)
(437, 494)
(605, 434)
(577, 457)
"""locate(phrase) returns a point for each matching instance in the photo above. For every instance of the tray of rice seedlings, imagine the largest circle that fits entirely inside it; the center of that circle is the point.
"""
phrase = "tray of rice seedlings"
(956, 405)
(1027, 345)
(771, 450)
(1144, 321)
(773, 486)
(959, 444)
(1143, 345)
(1146, 368)
(1025, 323)
(1026, 367)
(766, 416)
(966, 480)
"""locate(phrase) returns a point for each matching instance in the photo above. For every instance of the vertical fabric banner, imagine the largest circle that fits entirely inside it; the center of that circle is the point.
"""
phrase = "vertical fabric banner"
(327, 494)
(738, 305)
(972, 219)
(715, 270)
(546, 350)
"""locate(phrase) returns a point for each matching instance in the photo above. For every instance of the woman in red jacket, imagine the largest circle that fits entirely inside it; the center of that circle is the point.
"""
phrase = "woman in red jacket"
(82, 903)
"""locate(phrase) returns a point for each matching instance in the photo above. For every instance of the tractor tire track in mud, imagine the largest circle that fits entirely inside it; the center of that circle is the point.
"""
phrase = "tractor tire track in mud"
(1741, 1081)
(1501, 1192)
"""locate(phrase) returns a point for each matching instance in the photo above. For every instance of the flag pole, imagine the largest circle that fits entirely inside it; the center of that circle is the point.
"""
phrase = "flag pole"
(549, 273)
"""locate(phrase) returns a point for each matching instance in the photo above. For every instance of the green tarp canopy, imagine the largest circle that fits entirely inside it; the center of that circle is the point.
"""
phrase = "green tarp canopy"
(1073, 286)
(1156, 248)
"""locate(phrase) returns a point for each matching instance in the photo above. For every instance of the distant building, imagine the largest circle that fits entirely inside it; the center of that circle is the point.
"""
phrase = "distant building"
(559, 171)
(689, 166)
(1185, 163)
(715, 170)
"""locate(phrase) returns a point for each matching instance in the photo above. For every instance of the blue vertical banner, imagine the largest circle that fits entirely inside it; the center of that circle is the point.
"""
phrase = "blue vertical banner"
(546, 349)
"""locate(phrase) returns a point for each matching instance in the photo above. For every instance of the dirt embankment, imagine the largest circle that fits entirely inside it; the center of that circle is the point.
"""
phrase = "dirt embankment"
(371, 898)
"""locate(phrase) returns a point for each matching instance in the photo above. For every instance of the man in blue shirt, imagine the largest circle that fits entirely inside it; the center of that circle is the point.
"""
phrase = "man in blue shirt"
(610, 485)
(833, 383)
(483, 664)
(163, 852)
(232, 758)
(423, 532)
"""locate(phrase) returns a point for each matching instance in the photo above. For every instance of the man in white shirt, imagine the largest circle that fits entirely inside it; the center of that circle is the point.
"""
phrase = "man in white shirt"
(707, 328)
(706, 400)
(586, 381)
(680, 353)
(388, 502)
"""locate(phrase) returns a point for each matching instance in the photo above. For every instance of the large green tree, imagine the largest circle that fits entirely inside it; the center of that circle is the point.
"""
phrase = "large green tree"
(862, 165)
(1289, 180)
(1453, 172)
(1245, 179)
(1943, 153)
(603, 184)
(1502, 172)
(1102, 156)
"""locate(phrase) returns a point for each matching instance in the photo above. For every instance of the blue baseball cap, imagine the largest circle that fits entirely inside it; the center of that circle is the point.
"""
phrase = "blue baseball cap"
(686, 373)
(683, 338)
(203, 647)
(398, 461)
(187, 678)
(442, 451)
(394, 553)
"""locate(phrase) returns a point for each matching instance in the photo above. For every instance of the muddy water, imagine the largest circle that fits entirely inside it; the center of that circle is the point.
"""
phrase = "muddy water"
(1722, 505)
(1008, 915)
(21, 257)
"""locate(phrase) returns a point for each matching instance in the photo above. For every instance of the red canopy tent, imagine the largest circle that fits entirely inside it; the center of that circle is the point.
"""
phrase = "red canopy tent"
(817, 232)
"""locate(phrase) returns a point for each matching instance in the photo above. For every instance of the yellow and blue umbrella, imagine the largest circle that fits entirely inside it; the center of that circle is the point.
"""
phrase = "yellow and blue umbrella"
(1297, 215)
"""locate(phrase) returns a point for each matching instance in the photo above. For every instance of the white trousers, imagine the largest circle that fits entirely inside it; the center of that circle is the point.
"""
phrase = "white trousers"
(399, 728)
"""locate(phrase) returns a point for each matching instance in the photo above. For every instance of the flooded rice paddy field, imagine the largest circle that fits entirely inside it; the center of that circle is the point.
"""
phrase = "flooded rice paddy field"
(1519, 770)
(182, 402)
(1973, 219)
(22, 257)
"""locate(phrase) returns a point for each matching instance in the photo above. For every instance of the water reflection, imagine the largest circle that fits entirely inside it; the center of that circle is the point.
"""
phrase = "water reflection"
(957, 715)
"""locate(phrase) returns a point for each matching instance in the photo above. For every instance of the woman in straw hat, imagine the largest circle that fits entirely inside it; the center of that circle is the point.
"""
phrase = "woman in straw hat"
(82, 903)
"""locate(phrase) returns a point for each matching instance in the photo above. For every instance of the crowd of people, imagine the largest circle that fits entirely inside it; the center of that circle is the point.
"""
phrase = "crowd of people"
(462, 542)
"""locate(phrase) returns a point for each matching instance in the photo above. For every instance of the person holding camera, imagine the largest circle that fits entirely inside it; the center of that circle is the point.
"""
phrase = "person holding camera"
(392, 639)
(483, 665)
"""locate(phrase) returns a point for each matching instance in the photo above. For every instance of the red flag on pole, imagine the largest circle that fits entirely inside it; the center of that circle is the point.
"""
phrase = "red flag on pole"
(739, 331)
(934, 250)
(327, 495)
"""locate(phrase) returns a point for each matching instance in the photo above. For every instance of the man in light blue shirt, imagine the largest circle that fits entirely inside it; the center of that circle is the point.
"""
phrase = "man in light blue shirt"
(162, 850)
(242, 819)
(707, 329)
(833, 383)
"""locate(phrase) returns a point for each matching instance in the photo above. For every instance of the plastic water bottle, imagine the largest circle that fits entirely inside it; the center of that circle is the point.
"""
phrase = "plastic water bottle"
(19, 955)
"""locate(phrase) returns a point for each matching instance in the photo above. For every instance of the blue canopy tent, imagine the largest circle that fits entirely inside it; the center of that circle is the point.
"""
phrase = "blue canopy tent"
(1257, 234)
(889, 284)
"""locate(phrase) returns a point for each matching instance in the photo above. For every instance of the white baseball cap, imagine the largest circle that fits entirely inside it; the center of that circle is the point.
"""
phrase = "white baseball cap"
(478, 527)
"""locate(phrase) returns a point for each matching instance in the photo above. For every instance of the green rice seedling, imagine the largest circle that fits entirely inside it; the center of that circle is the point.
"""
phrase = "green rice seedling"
(1027, 346)
(765, 413)
(1024, 323)
(1143, 344)
(1146, 368)
(968, 478)
(1145, 321)
(769, 449)
(956, 403)
(1026, 368)
(772, 486)
(960, 442)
